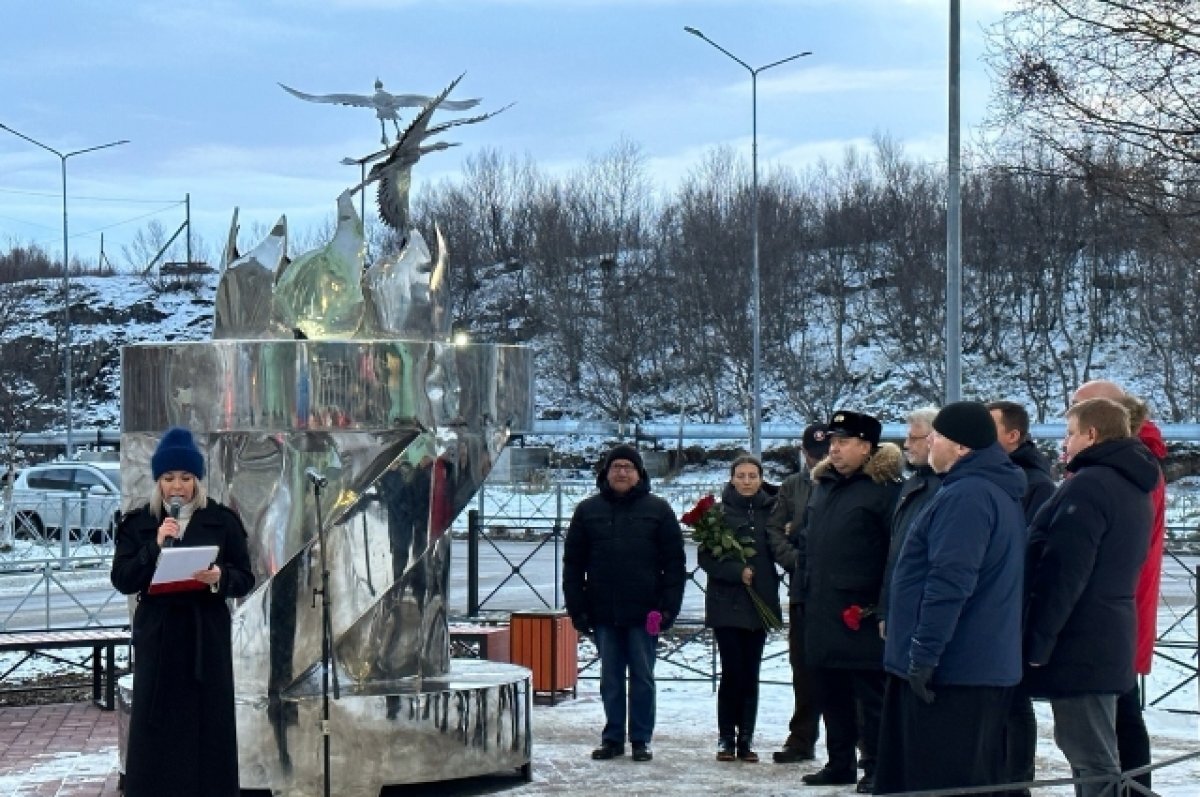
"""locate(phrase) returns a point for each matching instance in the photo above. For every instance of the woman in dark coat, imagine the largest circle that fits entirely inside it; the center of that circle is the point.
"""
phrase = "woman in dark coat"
(730, 611)
(182, 734)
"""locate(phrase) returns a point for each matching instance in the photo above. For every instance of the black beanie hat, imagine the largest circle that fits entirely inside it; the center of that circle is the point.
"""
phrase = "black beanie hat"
(623, 451)
(967, 423)
(177, 451)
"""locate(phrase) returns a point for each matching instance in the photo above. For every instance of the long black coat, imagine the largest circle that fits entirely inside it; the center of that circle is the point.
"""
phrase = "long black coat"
(845, 548)
(915, 494)
(1086, 548)
(183, 732)
(623, 557)
(727, 604)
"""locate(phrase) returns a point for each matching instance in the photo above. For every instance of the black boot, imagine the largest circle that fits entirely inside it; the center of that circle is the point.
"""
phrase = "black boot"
(745, 748)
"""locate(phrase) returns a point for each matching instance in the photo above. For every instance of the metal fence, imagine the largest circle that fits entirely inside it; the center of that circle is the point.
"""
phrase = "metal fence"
(539, 515)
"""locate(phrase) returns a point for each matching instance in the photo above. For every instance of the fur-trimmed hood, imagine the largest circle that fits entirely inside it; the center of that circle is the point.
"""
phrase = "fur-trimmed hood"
(886, 464)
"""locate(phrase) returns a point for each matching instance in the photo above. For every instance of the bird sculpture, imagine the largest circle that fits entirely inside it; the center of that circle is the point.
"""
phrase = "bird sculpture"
(392, 167)
(385, 104)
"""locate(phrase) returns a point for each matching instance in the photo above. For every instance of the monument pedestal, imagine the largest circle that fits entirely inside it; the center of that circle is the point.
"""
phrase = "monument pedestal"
(474, 720)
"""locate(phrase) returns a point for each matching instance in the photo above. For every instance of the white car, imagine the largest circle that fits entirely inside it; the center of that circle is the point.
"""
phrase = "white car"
(72, 495)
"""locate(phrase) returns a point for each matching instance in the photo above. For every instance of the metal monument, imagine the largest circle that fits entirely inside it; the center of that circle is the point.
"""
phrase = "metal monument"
(331, 385)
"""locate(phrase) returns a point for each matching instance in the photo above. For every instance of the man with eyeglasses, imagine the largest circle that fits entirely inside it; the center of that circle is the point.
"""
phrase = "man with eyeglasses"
(623, 561)
(915, 493)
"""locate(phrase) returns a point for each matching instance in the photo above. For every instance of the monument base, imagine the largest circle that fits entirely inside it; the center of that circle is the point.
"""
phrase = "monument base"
(474, 720)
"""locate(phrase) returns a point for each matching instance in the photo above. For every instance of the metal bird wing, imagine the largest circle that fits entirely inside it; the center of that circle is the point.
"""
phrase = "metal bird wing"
(384, 103)
(357, 100)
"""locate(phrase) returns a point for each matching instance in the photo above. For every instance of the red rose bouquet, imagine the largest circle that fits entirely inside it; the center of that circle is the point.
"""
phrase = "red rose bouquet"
(710, 532)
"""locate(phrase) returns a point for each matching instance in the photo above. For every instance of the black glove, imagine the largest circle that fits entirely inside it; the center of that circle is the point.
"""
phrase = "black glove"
(581, 624)
(919, 678)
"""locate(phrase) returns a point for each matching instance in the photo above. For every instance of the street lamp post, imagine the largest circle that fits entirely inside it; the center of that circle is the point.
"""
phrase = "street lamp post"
(67, 379)
(755, 297)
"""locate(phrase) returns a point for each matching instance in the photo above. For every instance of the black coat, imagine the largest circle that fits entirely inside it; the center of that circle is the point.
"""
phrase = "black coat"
(790, 505)
(623, 558)
(1039, 477)
(727, 604)
(915, 494)
(1086, 548)
(183, 731)
(845, 548)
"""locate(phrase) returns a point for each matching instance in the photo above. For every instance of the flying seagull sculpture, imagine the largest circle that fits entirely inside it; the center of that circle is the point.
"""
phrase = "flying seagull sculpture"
(385, 104)
(392, 167)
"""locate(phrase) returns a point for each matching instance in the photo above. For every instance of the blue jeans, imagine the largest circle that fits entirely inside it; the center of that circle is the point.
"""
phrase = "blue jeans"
(1085, 729)
(626, 649)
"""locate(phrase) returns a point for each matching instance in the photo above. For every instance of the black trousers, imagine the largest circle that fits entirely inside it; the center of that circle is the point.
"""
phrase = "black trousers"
(804, 728)
(737, 696)
(850, 702)
(958, 740)
(1020, 740)
(1133, 742)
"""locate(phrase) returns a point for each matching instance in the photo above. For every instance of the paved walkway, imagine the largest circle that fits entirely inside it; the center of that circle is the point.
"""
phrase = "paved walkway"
(62, 750)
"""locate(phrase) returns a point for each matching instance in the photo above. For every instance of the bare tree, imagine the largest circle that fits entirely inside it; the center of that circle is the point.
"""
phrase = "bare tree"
(1086, 78)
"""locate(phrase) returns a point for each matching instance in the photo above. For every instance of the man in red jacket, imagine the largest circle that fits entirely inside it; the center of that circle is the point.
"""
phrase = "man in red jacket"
(1133, 742)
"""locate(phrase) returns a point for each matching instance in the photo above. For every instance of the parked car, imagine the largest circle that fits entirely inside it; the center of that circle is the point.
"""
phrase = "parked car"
(73, 495)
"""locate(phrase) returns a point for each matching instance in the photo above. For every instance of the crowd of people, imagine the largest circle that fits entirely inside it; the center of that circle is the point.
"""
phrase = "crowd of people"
(927, 609)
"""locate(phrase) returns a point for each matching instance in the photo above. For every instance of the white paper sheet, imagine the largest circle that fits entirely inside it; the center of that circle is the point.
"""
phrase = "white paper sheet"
(178, 564)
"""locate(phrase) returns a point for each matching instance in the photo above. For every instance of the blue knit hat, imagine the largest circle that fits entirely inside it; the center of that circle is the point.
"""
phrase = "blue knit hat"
(177, 451)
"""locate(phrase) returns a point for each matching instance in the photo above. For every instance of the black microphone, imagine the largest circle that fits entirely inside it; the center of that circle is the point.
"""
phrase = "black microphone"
(316, 477)
(173, 507)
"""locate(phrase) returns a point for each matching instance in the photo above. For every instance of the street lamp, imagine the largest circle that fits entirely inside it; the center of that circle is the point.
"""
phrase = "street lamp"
(755, 300)
(62, 157)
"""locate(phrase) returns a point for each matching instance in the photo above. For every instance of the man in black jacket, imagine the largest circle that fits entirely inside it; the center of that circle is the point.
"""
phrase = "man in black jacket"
(623, 559)
(785, 523)
(1086, 548)
(1012, 432)
(843, 553)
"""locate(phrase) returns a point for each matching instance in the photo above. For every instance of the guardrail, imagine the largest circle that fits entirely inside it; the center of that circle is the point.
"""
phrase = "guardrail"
(39, 518)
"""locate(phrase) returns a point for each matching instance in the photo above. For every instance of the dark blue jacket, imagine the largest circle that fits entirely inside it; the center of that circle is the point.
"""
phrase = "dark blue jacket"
(1086, 548)
(956, 594)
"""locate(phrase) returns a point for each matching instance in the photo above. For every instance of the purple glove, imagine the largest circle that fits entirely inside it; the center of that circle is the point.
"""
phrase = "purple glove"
(654, 623)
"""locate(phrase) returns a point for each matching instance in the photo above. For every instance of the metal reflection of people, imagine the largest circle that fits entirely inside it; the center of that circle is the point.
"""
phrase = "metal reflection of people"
(730, 611)
(182, 733)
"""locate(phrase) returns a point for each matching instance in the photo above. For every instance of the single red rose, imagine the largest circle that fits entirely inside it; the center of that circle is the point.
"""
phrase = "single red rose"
(852, 616)
(690, 517)
(706, 503)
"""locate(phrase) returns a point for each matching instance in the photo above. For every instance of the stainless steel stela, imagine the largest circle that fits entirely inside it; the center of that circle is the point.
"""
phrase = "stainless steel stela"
(318, 363)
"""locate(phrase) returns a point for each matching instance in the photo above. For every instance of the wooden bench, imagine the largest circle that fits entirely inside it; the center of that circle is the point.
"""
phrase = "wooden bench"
(100, 640)
(493, 640)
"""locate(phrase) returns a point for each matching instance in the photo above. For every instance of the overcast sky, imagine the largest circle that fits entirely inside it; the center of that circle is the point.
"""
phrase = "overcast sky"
(192, 85)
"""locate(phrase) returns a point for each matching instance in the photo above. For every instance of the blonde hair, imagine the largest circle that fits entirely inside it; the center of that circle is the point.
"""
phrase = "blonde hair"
(199, 498)
(1109, 418)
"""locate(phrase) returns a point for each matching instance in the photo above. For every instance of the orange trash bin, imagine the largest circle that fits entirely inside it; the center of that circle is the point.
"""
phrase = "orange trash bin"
(546, 643)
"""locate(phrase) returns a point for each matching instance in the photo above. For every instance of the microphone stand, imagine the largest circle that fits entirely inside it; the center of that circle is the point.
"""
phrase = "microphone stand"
(327, 666)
